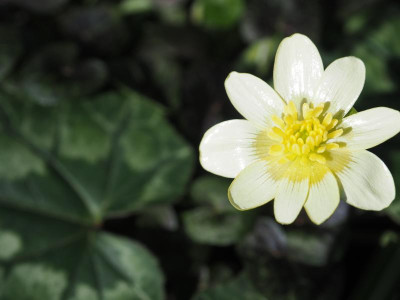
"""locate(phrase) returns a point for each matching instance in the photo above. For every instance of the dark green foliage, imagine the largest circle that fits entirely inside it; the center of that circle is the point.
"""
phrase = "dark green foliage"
(103, 104)
(214, 221)
(65, 170)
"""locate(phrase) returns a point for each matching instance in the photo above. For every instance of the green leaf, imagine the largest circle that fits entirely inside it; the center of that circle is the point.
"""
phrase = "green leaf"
(66, 170)
(214, 221)
(79, 265)
(129, 7)
(376, 50)
(240, 288)
(221, 14)
(259, 56)
(377, 78)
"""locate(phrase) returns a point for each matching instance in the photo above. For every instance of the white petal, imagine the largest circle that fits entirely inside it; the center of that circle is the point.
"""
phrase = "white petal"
(298, 67)
(226, 148)
(367, 182)
(253, 98)
(252, 187)
(289, 200)
(369, 128)
(323, 198)
(341, 84)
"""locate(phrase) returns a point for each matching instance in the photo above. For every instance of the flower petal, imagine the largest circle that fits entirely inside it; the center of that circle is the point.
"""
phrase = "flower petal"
(253, 98)
(367, 182)
(298, 67)
(369, 128)
(226, 148)
(253, 187)
(323, 197)
(341, 84)
(291, 195)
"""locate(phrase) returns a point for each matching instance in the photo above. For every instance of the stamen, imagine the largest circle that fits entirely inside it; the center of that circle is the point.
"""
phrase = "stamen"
(321, 149)
(325, 136)
(289, 119)
(317, 111)
(271, 134)
(278, 121)
(308, 114)
(278, 131)
(305, 138)
(305, 109)
(296, 149)
(332, 124)
(304, 161)
(276, 150)
(331, 146)
(318, 158)
(335, 134)
(283, 160)
(292, 109)
(327, 120)
(305, 149)
(310, 141)
(318, 140)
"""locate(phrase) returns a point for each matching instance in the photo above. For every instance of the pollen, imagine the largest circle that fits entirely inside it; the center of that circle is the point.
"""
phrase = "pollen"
(306, 134)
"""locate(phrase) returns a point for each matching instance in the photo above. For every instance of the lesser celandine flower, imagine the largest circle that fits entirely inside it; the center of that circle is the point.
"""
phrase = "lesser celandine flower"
(297, 145)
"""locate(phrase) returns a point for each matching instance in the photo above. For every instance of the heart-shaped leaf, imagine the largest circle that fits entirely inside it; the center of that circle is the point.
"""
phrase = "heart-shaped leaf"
(66, 169)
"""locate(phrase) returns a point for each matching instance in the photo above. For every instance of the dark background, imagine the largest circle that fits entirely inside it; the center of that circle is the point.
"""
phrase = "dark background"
(179, 52)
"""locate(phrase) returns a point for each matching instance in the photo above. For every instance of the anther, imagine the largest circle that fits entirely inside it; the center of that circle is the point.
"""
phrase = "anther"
(305, 109)
(296, 149)
(288, 119)
(318, 139)
(278, 121)
(276, 150)
(321, 149)
(325, 136)
(331, 146)
(332, 124)
(278, 131)
(274, 136)
(335, 134)
(317, 111)
(318, 158)
(283, 160)
(310, 141)
(327, 120)
(305, 149)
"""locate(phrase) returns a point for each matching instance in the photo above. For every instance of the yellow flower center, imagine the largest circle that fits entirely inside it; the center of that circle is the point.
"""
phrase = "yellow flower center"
(306, 135)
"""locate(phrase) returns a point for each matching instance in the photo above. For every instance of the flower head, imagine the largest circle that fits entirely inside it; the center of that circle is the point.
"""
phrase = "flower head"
(297, 144)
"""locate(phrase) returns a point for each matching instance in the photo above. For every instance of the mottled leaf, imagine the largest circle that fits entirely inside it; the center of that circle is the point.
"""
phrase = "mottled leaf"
(65, 170)
(220, 14)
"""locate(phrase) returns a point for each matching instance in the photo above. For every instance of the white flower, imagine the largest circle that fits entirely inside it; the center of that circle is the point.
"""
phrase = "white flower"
(295, 145)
